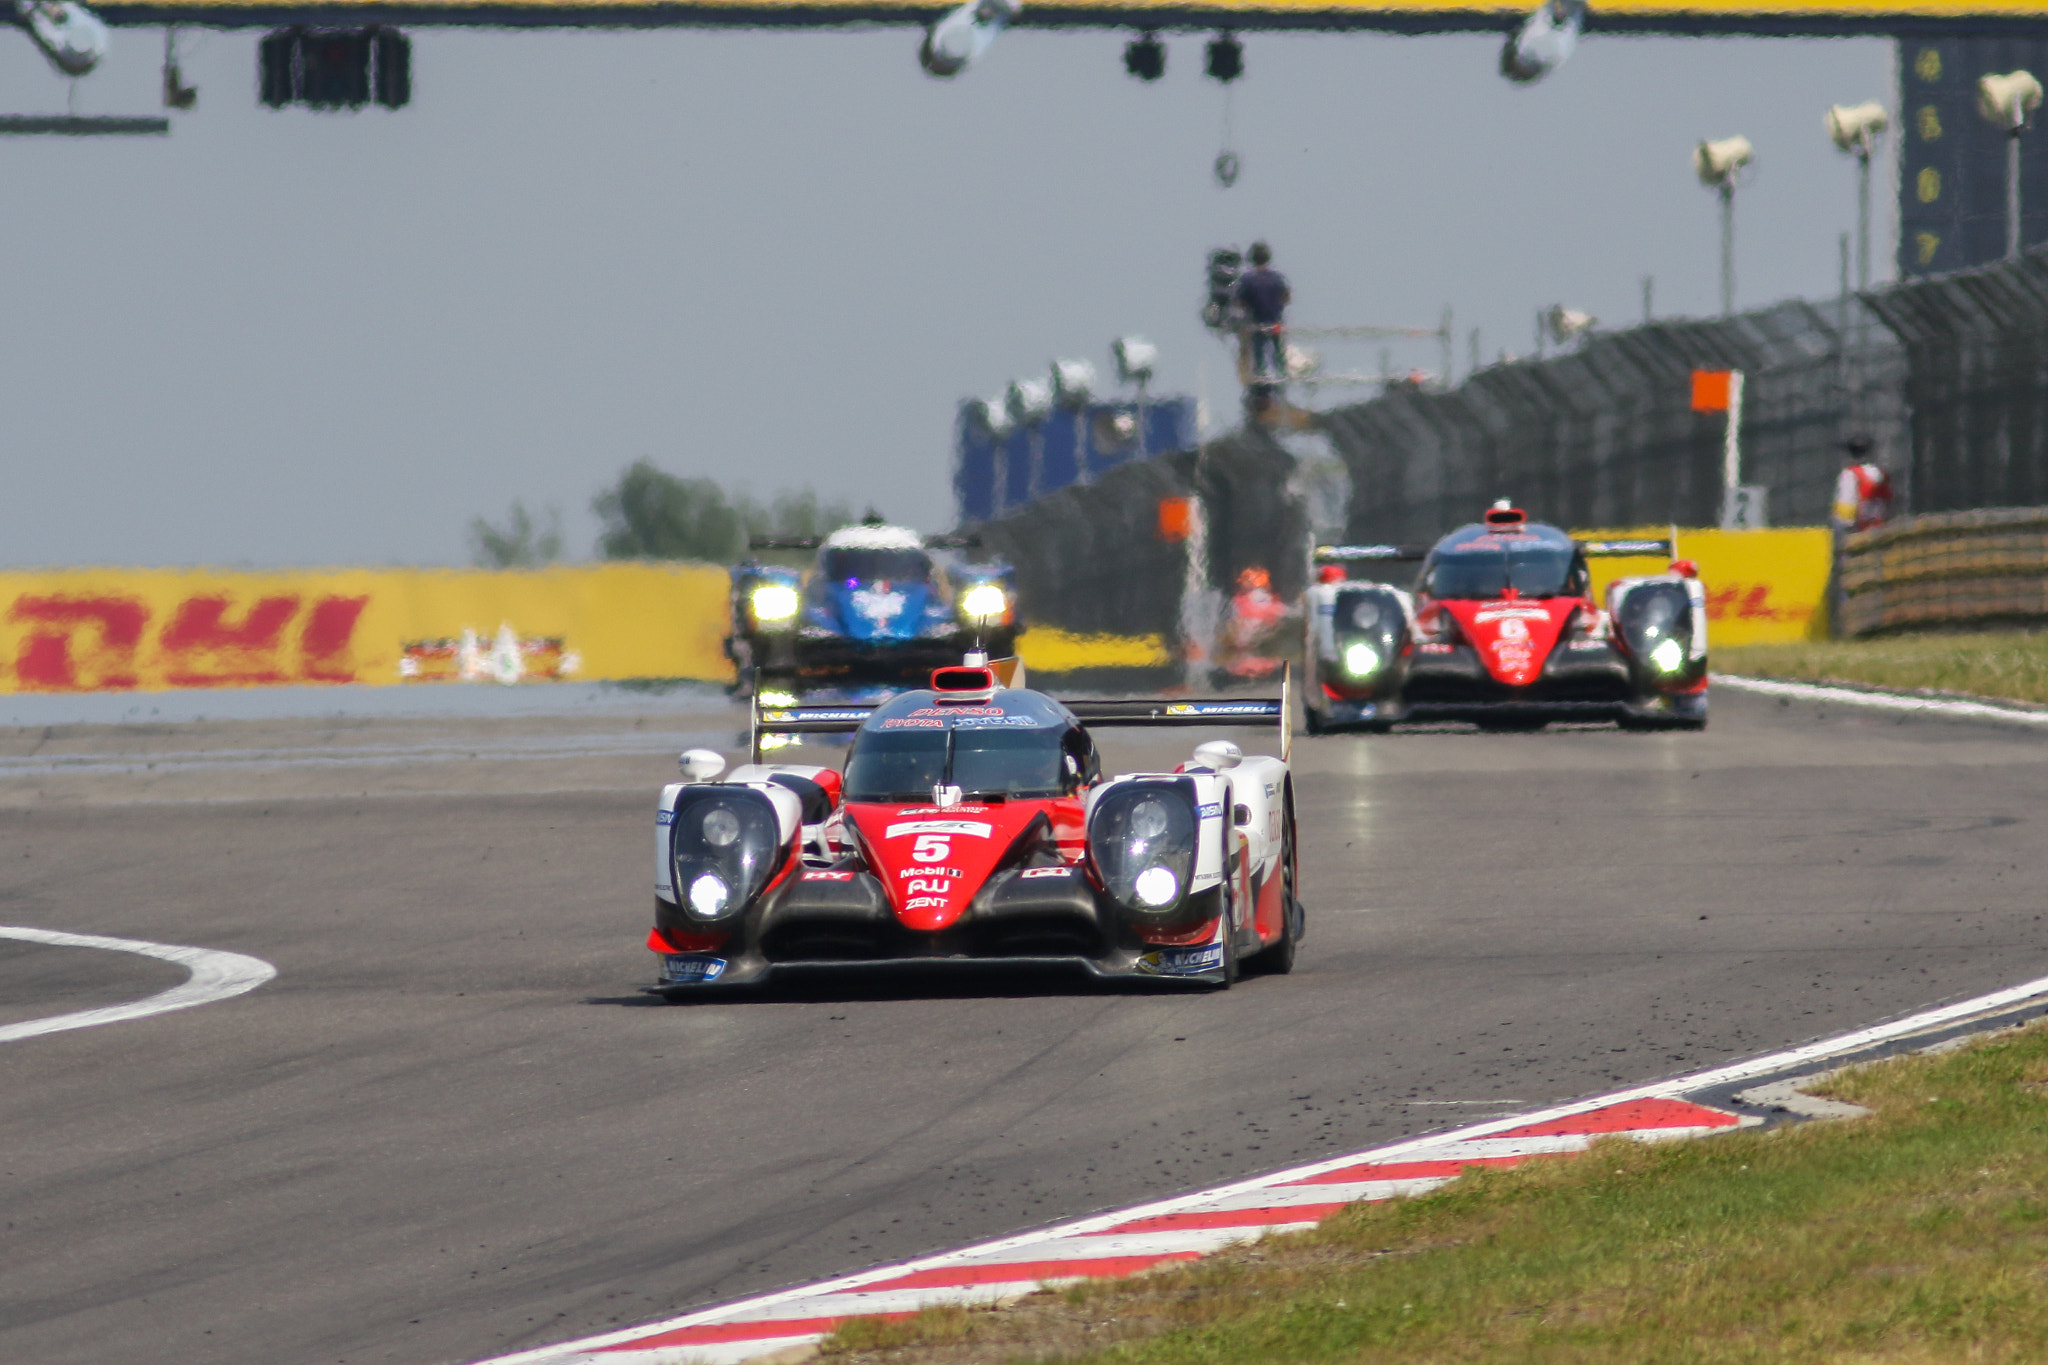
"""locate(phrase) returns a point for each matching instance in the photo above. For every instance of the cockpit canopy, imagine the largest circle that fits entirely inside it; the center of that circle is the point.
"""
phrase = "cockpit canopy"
(1017, 745)
(860, 555)
(1482, 562)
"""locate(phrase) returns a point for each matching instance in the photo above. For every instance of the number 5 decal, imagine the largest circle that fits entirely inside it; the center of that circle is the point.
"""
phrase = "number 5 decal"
(931, 848)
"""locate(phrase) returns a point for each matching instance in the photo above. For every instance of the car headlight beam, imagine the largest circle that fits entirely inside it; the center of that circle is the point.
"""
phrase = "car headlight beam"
(1361, 660)
(984, 602)
(773, 602)
(1668, 656)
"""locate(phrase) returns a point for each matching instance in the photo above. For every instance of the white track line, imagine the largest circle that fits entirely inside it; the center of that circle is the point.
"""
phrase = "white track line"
(1883, 701)
(215, 976)
(1022, 1246)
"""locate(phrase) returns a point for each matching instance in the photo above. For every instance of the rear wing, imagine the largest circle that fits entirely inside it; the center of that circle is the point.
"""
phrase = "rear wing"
(833, 719)
(813, 542)
(1349, 554)
(844, 718)
(1196, 711)
(1614, 549)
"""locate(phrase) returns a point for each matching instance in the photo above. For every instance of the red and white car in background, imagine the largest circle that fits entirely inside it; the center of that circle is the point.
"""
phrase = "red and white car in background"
(1502, 629)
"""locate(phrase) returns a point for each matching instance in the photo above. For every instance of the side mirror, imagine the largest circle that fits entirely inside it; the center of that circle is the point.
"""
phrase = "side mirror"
(700, 765)
(1218, 754)
(1241, 815)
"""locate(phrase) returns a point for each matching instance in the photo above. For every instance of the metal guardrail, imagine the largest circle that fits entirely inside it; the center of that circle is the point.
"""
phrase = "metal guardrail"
(1946, 568)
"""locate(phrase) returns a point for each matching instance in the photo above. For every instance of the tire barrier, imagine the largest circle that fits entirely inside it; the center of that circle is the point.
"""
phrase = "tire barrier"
(1946, 568)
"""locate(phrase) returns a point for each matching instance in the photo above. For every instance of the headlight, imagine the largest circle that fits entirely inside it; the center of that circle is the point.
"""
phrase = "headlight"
(773, 602)
(709, 896)
(984, 602)
(1364, 613)
(1656, 620)
(1142, 838)
(1360, 660)
(725, 844)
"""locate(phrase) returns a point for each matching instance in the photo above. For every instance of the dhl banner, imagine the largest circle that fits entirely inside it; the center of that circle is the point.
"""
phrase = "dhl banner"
(87, 630)
(1763, 587)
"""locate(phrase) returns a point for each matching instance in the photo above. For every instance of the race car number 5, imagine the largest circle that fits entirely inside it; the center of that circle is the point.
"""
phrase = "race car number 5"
(931, 848)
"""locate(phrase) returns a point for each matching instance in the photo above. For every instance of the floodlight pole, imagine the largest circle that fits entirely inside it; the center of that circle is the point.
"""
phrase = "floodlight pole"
(1863, 214)
(2012, 180)
(1727, 188)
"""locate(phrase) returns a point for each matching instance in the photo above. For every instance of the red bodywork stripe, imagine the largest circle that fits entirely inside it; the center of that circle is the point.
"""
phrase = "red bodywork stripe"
(675, 942)
(1202, 934)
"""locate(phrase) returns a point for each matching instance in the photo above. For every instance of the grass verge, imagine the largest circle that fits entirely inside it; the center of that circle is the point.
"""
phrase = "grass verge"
(1917, 1235)
(2008, 664)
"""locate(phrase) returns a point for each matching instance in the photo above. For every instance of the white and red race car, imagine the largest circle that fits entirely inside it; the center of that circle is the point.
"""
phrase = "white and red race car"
(971, 822)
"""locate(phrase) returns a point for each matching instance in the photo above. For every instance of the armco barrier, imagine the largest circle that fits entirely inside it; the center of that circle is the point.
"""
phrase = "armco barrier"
(84, 630)
(1947, 568)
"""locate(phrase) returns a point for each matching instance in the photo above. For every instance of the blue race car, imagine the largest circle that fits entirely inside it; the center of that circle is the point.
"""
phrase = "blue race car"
(877, 606)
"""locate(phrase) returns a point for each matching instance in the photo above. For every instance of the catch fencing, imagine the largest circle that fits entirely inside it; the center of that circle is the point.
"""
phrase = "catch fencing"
(1606, 435)
(1976, 347)
(1111, 557)
(1946, 568)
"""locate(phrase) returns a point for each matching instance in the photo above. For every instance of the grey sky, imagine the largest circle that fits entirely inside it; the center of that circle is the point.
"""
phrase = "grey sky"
(782, 257)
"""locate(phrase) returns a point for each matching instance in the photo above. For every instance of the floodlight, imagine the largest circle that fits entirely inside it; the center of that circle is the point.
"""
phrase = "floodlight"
(1543, 42)
(1855, 126)
(994, 414)
(1029, 400)
(1565, 323)
(1717, 162)
(1136, 358)
(956, 41)
(1072, 382)
(2008, 100)
(1225, 57)
(70, 35)
(1145, 56)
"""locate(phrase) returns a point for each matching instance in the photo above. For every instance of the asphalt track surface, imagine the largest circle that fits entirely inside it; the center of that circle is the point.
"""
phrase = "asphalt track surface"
(452, 1128)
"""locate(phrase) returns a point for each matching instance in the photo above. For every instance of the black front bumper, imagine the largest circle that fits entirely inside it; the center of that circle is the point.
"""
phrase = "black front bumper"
(1043, 920)
(1589, 680)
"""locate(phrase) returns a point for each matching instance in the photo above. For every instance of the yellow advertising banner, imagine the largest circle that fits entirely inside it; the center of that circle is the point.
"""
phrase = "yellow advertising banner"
(1763, 587)
(89, 630)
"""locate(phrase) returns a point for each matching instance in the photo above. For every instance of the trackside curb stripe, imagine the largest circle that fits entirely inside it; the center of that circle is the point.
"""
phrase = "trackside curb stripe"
(1885, 701)
(1653, 1112)
(214, 976)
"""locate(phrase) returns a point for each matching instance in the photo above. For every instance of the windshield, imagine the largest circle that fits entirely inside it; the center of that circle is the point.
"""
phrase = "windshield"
(876, 566)
(905, 765)
(1535, 570)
